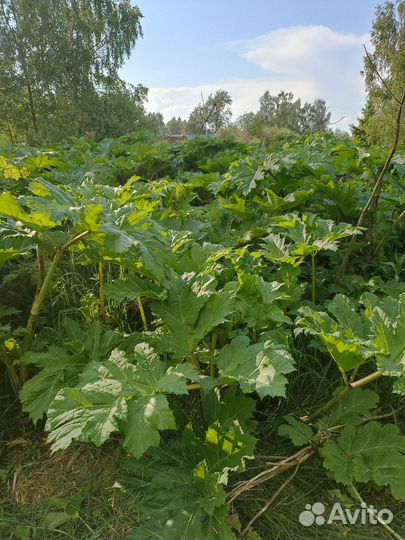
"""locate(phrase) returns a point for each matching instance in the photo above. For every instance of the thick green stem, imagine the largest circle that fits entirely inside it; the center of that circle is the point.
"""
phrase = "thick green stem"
(313, 274)
(39, 300)
(353, 374)
(368, 379)
(340, 395)
(142, 312)
(41, 258)
(344, 377)
(43, 292)
(319, 412)
(193, 360)
(74, 240)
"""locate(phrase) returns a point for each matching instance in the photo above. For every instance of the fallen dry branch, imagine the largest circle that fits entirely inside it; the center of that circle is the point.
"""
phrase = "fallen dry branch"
(270, 501)
(293, 461)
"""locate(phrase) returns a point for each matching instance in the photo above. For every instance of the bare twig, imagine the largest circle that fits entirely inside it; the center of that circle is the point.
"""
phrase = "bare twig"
(337, 121)
(363, 421)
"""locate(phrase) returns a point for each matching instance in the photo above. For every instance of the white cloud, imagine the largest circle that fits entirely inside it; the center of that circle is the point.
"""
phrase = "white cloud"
(301, 50)
(310, 61)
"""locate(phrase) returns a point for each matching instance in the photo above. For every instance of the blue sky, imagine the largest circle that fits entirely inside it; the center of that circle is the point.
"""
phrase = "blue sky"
(310, 47)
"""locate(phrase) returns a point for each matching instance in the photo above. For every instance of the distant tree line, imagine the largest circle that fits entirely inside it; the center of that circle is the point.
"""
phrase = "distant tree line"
(283, 116)
(279, 116)
(60, 61)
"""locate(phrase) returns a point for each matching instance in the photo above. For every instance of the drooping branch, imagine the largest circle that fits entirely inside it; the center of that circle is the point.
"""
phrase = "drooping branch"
(372, 202)
(381, 79)
(378, 186)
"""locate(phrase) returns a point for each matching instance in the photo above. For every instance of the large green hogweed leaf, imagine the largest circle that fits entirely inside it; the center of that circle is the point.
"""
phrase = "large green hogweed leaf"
(192, 308)
(259, 367)
(370, 452)
(387, 319)
(117, 395)
(180, 485)
(346, 336)
(62, 363)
